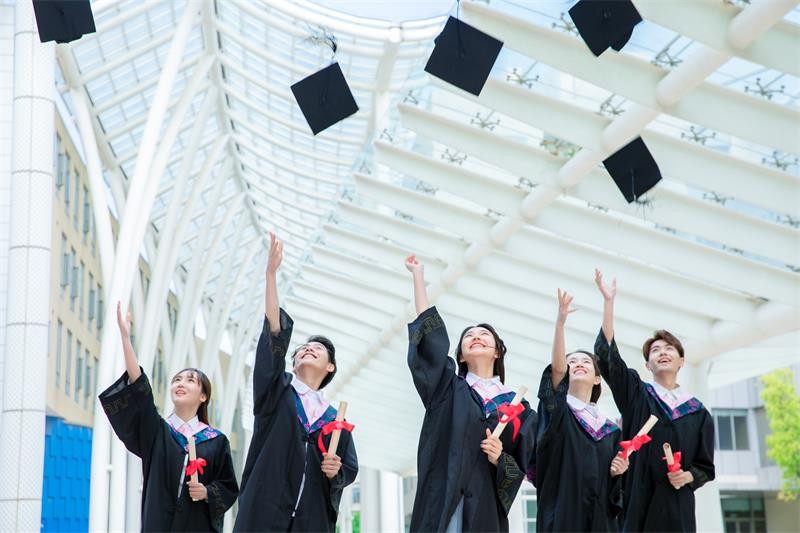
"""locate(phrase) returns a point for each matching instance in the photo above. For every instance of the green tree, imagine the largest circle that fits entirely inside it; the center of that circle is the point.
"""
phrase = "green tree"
(783, 444)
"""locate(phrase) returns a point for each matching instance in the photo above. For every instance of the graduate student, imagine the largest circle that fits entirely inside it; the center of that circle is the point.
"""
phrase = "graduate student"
(289, 482)
(171, 501)
(655, 498)
(578, 487)
(467, 478)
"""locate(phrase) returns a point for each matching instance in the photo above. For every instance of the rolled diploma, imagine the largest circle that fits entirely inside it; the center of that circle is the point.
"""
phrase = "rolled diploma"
(498, 430)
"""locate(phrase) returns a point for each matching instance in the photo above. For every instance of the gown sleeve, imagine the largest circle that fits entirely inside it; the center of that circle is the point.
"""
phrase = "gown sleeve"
(223, 490)
(269, 376)
(553, 406)
(625, 383)
(512, 466)
(431, 368)
(347, 473)
(702, 467)
(132, 413)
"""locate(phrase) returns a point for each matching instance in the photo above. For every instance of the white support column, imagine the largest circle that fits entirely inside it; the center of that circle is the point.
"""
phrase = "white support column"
(708, 508)
(369, 481)
(201, 266)
(391, 502)
(226, 300)
(31, 195)
(174, 229)
(131, 235)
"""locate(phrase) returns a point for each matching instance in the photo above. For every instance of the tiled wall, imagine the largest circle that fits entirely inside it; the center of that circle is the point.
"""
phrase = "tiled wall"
(6, 88)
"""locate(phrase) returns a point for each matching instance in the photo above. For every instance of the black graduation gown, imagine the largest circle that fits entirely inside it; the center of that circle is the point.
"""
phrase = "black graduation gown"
(574, 489)
(450, 462)
(284, 454)
(164, 451)
(651, 502)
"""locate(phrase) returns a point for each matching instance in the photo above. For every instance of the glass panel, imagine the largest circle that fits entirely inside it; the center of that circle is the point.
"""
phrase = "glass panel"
(730, 527)
(744, 526)
(724, 438)
(530, 509)
(761, 526)
(740, 431)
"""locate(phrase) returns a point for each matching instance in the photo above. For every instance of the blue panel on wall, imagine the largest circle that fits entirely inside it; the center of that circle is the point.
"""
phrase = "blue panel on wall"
(67, 470)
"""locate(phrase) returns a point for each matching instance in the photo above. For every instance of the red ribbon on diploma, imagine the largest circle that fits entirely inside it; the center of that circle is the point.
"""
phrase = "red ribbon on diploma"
(633, 445)
(511, 414)
(676, 465)
(329, 428)
(195, 466)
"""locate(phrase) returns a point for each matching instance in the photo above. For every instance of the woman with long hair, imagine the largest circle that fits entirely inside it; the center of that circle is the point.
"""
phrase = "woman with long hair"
(468, 478)
(171, 501)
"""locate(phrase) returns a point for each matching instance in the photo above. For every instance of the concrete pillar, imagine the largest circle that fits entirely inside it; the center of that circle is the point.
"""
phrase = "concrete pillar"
(708, 508)
(28, 302)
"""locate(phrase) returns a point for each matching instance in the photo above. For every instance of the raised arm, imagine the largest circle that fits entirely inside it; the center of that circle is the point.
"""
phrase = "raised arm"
(625, 383)
(131, 363)
(559, 354)
(420, 291)
(269, 376)
(271, 307)
(609, 292)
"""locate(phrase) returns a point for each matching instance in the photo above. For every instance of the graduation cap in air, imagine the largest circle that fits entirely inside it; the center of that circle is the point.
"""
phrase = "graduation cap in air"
(63, 21)
(324, 98)
(463, 56)
(604, 23)
(633, 169)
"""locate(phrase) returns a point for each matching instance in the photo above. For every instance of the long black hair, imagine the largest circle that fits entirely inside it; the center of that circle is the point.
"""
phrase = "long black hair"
(499, 368)
(205, 388)
(596, 389)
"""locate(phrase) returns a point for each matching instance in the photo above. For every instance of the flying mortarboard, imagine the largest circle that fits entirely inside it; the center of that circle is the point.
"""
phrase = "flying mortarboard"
(604, 23)
(324, 98)
(633, 169)
(463, 56)
(63, 21)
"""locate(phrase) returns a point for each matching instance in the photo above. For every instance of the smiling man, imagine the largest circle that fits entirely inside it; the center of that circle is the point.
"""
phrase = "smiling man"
(291, 482)
(657, 498)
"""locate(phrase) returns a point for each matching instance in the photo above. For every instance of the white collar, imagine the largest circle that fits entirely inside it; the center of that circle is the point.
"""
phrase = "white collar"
(176, 422)
(677, 392)
(472, 379)
(304, 389)
(579, 405)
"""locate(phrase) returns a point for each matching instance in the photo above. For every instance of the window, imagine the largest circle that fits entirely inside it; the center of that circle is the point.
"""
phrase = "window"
(91, 299)
(87, 214)
(78, 370)
(87, 388)
(77, 207)
(67, 377)
(81, 290)
(731, 429)
(94, 240)
(64, 264)
(67, 193)
(529, 507)
(59, 333)
(73, 289)
(100, 316)
(743, 514)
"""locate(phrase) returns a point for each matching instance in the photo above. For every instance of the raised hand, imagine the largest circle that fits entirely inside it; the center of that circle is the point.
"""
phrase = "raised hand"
(275, 254)
(124, 324)
(131, 363)
(564, 306)
(608, 291)
(413, 265)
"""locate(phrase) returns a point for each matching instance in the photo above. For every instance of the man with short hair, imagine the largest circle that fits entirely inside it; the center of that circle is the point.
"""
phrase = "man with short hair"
(290, 481)
(657, 498)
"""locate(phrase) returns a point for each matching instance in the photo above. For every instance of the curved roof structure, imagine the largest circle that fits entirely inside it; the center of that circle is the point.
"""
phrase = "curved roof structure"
(503, 196)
